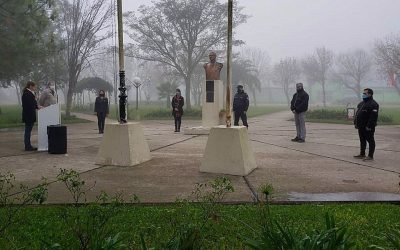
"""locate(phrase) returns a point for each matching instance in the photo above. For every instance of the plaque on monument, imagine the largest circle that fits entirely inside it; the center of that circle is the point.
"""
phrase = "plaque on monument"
(209, 91)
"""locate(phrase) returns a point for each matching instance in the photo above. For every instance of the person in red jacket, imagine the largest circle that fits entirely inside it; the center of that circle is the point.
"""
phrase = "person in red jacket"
(177, 109)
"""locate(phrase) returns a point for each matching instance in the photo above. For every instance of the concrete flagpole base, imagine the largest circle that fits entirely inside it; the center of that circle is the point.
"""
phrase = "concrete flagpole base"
(123, 145)
(228, 151)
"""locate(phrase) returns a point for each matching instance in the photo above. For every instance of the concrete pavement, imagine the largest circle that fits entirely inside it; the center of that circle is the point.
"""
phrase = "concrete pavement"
(324, 164)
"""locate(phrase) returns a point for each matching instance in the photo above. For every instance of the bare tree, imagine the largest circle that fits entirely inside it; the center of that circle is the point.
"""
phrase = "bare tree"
(286, 73)
(82, 22)
(352, 69)
(387, 57)
(198, 77)
(316, 68)
(179, 33)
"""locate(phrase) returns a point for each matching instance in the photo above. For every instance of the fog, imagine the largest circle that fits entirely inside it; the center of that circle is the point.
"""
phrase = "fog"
(296, 27)
(285, 29)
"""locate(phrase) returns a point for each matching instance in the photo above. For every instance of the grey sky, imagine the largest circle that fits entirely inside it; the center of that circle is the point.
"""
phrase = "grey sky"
(295, 27)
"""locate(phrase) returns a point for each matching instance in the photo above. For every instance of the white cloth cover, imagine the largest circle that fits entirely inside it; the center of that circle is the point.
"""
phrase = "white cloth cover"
(50, 115)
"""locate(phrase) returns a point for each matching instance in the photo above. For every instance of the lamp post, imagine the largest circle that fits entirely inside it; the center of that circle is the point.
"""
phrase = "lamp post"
(122, 96)
(229, 65)
(137, 83)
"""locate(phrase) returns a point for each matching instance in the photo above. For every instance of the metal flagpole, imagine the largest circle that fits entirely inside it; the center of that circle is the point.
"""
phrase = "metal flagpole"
(229, 65)
(122, 96)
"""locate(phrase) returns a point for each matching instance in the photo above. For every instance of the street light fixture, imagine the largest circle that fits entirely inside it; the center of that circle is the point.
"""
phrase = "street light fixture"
(137, 83)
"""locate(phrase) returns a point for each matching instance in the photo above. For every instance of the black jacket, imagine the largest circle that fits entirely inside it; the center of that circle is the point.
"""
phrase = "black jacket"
(299, 102)
(241, 102)
(101, 105)
(177, 102)
(29, 106)
(367, 114)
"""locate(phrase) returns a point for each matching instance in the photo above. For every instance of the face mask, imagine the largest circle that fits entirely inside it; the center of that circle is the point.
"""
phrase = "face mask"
(299, 89)
(364, 96)
(102, 94)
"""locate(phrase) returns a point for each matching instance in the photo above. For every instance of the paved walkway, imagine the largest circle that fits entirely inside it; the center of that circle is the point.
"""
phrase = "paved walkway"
(323, 164)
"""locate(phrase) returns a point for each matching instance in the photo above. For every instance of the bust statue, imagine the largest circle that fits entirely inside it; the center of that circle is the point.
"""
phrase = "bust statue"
(213, 68)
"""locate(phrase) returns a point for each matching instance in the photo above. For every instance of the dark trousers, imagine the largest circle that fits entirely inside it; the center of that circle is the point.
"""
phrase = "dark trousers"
(242, 115)
(367, 136)
(101, 119)
(178, 121)
(27, 135)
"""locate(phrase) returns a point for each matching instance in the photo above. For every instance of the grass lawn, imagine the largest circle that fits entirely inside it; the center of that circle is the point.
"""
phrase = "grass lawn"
(11, 117)
(227, 230)
(387, 116)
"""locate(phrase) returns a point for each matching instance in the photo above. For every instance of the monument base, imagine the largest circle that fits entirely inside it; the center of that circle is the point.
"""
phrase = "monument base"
(123, 145)
(197, 131)
(228, 151)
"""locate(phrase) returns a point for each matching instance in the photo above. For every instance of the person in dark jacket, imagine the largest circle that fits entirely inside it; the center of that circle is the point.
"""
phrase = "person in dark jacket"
(240, 106)
(299, 106)
(29, 107)
(365, 121)
(101, 109)
(177, 109)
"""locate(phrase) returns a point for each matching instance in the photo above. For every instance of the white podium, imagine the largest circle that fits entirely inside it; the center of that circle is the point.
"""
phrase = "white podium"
(50, 115)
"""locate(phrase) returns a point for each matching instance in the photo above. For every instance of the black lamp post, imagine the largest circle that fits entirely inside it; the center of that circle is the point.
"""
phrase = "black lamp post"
(122, 96)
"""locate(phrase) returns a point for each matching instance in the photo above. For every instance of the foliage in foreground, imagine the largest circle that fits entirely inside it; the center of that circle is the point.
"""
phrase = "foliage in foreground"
(199, 221)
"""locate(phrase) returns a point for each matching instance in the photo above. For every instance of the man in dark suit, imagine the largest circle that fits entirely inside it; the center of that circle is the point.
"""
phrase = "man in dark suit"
(29, 107)
(240, 106)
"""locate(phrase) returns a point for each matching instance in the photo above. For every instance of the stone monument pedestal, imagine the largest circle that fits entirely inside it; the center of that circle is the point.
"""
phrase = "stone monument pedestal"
(212, 104)
(123, 145)
(228, 151)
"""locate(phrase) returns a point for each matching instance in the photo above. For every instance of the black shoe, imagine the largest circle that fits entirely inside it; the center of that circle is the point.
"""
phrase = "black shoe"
(368, 158)
(30, 148)
(301, 141)
(295, 139)
(359, 156)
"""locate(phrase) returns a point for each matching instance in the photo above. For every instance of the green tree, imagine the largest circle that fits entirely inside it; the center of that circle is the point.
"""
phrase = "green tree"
(93, 85)
(166, 90)
(245, 73)
(25, 37)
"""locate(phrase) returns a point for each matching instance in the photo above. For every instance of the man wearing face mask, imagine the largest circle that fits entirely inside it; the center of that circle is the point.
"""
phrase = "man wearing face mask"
(48, 97)
(240, 106)
(299, 106)
(177, 109)
(365, 121)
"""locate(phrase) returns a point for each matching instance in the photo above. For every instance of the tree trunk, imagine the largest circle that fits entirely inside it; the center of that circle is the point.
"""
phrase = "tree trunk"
(71, 90)
(187, 92)
(287, 96)
(168, 101)
(18, 92)
(254, 97)
(323, 94)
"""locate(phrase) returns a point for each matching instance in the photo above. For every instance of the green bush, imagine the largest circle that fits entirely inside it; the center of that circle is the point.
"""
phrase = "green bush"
(341, 115)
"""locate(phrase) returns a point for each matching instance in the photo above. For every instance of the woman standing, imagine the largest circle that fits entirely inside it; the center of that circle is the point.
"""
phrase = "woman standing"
(101, 110)
(177, 109)
(29, 107)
